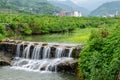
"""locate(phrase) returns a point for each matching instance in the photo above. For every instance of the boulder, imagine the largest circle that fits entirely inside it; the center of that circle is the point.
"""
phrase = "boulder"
(67, 66)
(4, 60)
(4, 63)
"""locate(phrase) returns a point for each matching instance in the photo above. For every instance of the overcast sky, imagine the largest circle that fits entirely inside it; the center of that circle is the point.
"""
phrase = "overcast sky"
(91, 4)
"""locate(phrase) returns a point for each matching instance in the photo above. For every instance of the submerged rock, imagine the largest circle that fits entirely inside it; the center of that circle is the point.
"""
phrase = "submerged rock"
(70, 66)
(4, 63)
(4, 60)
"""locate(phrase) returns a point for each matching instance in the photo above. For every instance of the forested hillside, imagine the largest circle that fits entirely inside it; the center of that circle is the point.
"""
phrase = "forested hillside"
(110, 8)
(27, 6)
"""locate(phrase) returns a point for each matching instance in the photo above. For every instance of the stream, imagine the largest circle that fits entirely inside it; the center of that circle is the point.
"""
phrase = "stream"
(7, 73)
(40, 64)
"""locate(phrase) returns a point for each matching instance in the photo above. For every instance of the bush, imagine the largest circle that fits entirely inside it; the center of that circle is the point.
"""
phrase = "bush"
(100, 60)
(1, 36)
(26, 30)
(2, 28)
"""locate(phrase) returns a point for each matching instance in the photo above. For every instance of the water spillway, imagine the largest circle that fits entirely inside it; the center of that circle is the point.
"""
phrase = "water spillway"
(40, 56)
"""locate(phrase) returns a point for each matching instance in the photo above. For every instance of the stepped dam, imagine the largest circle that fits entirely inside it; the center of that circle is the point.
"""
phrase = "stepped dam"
(41, 56)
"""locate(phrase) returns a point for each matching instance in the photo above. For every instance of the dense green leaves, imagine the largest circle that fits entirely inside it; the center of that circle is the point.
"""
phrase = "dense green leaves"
(41, 24)
(2, 31)
(100, 60)
(2, 28)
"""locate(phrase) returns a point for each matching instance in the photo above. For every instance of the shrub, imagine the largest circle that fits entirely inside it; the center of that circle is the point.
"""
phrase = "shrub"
(1, 36)
(100, 60)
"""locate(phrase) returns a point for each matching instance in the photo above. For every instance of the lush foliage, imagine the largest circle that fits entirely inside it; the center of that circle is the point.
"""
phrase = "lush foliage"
(27, 7)
(2, 31)
(76, 36)
(40, 24)
(100, 60)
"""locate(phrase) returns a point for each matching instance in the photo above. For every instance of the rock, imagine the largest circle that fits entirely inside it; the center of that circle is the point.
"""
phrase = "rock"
(4, 63)
(118, 76)
(67, 66)
(17, 41)
(4, 60)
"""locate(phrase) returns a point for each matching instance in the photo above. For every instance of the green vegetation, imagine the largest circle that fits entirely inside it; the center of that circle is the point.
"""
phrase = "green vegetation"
(76, 36)
(2, 31)
(107, 9)
(27, 7)
(72, 29)
(38, 6)
(40, 24)
(100, 60)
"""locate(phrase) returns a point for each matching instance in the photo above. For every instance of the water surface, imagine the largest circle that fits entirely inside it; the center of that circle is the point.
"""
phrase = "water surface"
(7, 73)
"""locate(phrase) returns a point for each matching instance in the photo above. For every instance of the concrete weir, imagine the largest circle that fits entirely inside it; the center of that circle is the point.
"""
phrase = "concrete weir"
(49, 56)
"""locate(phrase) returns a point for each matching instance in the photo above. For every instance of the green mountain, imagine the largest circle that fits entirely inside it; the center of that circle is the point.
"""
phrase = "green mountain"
(107, 9)
(27, 6)
(68, 5)
(39, 6)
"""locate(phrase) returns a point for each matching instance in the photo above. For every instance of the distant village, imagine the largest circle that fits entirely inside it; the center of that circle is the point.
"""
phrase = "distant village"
(69, 13)
(77, 13)
(61, 13)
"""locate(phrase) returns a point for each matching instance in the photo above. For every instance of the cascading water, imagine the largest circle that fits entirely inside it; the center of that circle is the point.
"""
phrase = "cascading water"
(26, 51)
(41, 58)
(36, 52)
(18, 49)
(59, 52)
(46, 52)
(70, 52)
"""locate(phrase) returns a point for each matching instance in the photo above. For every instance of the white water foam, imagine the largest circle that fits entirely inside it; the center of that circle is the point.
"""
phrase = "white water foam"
(39, 59)
(39, 65)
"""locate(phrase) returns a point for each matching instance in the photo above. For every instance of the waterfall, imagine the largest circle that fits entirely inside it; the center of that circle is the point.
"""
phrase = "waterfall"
(59, 52)
(26, 52)
(46, 52)
(53, 65)
(36, 52)
(70, 52)
(36, 57)
(18, 49)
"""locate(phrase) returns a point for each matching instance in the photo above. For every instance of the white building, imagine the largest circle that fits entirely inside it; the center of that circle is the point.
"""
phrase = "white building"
(76, 14)
(68, 13)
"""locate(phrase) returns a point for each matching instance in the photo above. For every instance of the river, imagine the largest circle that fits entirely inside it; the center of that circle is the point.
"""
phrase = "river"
(25, 69)
(7, 73)
(77, 36)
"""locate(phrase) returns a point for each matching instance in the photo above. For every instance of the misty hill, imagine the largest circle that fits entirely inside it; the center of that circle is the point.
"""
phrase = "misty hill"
(68, 5)
(27, 6)
(107, 9)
